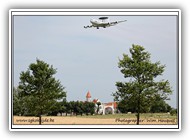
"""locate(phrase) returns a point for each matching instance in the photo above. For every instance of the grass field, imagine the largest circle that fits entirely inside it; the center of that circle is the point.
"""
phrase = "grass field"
(143, 115)
(147, 118)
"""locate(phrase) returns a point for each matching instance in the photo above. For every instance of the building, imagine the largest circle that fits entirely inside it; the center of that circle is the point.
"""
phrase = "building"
(104, 108)
(88, 97)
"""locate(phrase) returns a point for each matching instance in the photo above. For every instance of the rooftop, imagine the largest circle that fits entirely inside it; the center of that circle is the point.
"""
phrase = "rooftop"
(88, 95)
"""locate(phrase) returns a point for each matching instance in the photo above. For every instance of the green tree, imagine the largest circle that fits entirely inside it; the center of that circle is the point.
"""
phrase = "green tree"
(72, 107)
(17, 102)
(63, 107)
(68, 108)
(92, 108)
(60, 107)
(141, 88)
(160, 106)
(41, 89)
(20, 103)
(81, 105)
(79, 108)
(173, 112)
(124, 107)
(89, 108)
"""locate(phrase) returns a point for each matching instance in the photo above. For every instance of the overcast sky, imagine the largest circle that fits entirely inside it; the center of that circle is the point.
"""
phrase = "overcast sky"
(87, 59)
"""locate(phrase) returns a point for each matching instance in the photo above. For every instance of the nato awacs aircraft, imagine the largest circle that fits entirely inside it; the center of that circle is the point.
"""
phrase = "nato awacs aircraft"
(102, 22)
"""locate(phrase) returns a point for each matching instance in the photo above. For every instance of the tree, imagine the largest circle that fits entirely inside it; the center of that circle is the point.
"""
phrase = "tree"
(160, 106)
(173, 112)
(89, 107)
(60, 107)
(141, 88)
(124, 107)
(92, 108)
(20, 103)
(41, 89)
(79, 106)
(68, 108)
(17, 102)
(72, 107)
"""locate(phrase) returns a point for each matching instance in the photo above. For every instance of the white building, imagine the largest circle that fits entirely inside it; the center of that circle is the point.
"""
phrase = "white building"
(104, 108)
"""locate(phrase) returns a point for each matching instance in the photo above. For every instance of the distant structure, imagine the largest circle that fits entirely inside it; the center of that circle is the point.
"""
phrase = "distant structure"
(104, 108)
(88, 97)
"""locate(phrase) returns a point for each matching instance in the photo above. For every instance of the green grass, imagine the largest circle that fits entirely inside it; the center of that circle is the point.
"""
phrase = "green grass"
(133, 115)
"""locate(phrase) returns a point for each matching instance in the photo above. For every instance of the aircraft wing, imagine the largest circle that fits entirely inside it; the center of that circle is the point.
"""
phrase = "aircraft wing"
(116, 22)
(89, 26)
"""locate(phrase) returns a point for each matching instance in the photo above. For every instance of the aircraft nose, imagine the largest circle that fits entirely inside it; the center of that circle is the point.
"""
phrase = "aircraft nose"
(91, 20)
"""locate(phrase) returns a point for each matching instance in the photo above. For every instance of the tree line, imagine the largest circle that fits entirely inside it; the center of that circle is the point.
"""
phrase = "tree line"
(160, 106)
(21, 107)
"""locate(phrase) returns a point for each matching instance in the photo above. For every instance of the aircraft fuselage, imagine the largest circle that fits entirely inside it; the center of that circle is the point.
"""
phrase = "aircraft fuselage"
(97, 23)
(102, 22)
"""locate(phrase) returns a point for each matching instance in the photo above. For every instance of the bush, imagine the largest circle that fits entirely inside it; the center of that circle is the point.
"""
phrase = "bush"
(173, 112)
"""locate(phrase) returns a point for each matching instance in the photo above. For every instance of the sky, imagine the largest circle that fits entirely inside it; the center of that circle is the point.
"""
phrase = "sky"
(87, 59)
